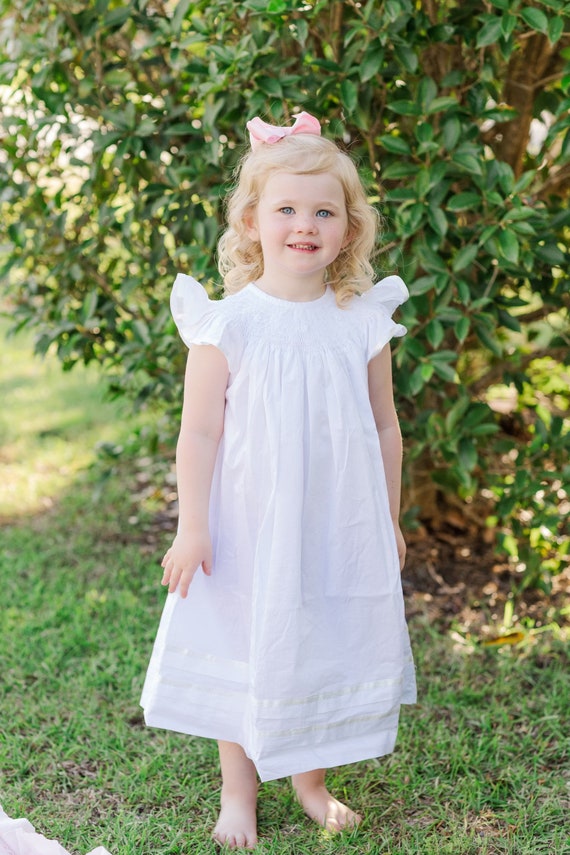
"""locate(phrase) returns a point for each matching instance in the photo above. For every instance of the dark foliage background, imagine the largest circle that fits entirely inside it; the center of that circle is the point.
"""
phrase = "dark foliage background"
(122, 123)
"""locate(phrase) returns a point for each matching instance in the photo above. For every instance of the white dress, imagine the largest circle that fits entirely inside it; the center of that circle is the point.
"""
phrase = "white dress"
(296, 646)
(19, 837)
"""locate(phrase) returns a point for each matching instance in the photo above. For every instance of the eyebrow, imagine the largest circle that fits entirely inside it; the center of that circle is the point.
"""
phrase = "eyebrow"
(282, 203)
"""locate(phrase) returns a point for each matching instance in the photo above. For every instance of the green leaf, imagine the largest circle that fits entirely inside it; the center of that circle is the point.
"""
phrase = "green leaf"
(117, 78)
(427, 91)
(467, 454)
(443, 356)
(486, 234)
(404, 108)
(409, 219)
(431, 261)
(422, 183)
(523, 228)
(456, 413)
(179, 14)
(435, 333)
(442, 104)
(145, 127)
(442, 283)
(490, 32)
(552, 254)
(509, 246)
(445, 371)
(476, 414)
(407, 58)
(484, 430)
(509, 321)
(508, 23)
(437, 220)
(394, 144)
(270, 85)
(463, 291)
(417, 380)
(555, 29)
(522, 213)
(535, 18)
(415, 347)
(461, 329)
(465, 257)
(525, 180)
(468, 162)
(557, 5)
(464, 201)
(349, 95)
(395, 171)
(489, 340)
(116, 17)
(451, 133)
(371, 62)
(422, 285)
(424, 132)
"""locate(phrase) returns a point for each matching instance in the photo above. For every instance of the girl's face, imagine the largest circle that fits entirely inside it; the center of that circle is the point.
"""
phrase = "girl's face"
(302, 224)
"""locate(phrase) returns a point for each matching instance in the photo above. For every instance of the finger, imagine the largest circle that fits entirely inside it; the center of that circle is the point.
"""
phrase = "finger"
(185, 584)
(174, 579)
(167, 567)
(207, 567)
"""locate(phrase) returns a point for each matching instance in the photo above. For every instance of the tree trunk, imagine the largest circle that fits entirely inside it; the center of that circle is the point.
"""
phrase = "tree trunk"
(527, 68)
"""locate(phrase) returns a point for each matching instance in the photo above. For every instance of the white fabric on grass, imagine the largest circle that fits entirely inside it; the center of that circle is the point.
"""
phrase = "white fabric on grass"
(18, 837)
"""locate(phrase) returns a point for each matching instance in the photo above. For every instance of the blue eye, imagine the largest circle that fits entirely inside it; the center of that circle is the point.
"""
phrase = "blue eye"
(286, 210)
(324, 213)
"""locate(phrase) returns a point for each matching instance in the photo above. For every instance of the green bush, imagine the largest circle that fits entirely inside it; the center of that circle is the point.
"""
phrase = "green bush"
(121, 128)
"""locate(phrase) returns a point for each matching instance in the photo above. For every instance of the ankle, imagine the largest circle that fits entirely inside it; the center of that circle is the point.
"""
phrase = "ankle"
(239, 791)
(309, 781)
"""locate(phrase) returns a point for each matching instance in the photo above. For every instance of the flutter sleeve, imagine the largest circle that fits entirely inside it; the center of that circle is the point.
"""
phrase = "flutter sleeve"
(200, 321)
(382, 301)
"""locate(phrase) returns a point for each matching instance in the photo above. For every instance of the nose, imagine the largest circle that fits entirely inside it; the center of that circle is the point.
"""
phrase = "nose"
(305, 224)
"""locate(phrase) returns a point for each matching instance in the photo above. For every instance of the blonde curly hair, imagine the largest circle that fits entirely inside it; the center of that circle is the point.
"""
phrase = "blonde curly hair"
(240, 259)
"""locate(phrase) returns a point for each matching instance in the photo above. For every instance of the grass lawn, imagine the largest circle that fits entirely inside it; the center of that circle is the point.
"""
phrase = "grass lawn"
(482, 762)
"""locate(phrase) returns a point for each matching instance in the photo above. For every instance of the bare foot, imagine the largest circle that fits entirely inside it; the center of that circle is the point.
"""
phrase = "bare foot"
(236, 827)
(320, 805)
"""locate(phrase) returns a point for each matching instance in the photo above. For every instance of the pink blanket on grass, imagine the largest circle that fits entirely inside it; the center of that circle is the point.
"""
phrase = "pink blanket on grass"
(18, 837)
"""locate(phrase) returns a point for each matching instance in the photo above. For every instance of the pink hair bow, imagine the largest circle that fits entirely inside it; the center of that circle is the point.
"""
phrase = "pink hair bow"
(260, 132)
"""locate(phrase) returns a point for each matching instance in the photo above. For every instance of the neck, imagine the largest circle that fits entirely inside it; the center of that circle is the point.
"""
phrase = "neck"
(298, 291)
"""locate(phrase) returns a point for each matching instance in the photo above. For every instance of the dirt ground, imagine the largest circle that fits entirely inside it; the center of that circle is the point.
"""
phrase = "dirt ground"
(454, 577)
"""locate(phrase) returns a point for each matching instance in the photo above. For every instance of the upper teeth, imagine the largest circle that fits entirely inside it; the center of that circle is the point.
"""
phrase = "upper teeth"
(303, 245)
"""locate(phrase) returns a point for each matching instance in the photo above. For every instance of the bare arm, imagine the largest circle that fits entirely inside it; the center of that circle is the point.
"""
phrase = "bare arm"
(382, 402)
(200, 431)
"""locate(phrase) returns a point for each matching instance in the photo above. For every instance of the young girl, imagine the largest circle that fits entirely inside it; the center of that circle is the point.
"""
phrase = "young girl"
(283, 635)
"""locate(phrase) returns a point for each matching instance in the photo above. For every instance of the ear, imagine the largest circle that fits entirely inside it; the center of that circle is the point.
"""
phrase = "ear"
(250, 222)
(347, 239)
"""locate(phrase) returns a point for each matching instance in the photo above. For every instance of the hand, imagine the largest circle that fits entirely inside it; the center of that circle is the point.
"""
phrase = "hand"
(400, 543)
(189, 551)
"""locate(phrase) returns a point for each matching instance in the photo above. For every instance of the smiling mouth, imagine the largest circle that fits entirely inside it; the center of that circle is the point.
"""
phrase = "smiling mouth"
(306, 247)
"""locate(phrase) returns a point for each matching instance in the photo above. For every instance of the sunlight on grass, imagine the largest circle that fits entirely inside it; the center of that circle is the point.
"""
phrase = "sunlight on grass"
(50, 423)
